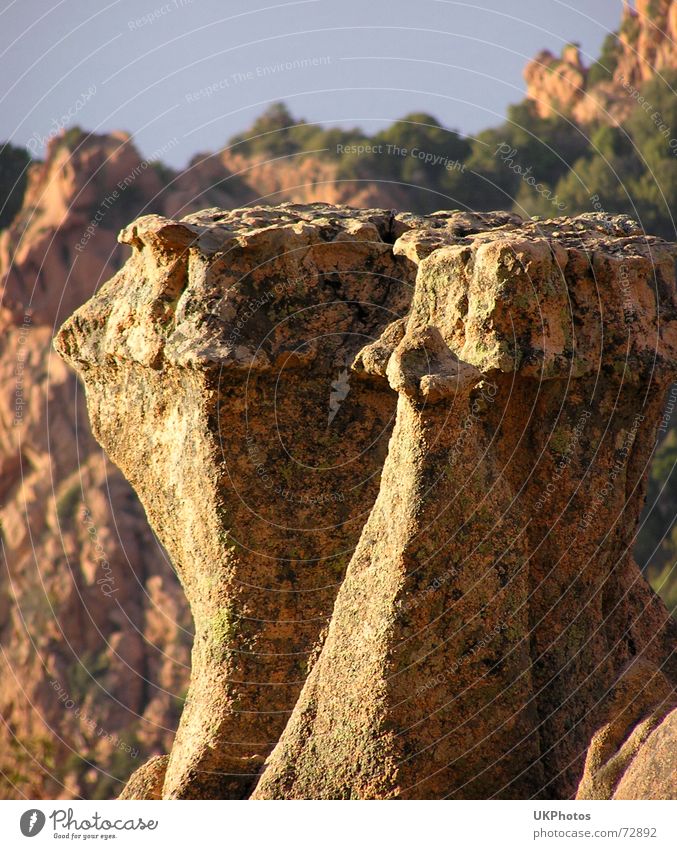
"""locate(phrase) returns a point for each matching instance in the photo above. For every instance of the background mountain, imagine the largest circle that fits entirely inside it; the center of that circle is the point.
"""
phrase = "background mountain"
(94, 631)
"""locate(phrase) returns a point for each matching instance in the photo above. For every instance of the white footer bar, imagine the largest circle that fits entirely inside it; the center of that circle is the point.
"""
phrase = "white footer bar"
(350, 825)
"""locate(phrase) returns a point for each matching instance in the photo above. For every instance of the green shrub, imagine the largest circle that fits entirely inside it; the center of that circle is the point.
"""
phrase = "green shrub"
(604, 67)
(14, 163)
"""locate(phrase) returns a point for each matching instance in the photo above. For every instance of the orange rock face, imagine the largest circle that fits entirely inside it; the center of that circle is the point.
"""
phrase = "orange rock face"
(94, 629)
(632, 755)
(646, 45)
(57, 622)
(555, 85)
(258, 313)
(61, 246)
(244, 370)
(492, 600)
(651, 774)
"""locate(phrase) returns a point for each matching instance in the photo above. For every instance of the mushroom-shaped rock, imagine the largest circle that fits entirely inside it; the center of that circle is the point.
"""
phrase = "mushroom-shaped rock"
(492, 601)
(244, 370)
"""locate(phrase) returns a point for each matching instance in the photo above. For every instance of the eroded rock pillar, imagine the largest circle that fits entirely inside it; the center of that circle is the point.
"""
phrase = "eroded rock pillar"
(492, 601)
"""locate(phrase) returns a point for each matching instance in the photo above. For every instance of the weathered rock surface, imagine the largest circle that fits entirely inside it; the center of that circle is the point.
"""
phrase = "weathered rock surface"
(491, 602)
(57, 251)
(223, 347)
(634, 754)
(651, 775)
(147, 781)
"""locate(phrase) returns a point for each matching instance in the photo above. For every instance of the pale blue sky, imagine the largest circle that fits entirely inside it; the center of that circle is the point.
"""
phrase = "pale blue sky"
(147, 63)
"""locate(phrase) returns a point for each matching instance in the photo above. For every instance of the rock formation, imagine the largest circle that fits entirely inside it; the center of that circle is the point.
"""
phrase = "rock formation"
(651, 773)
(56, 484)
(634, 753)
(555, 84)
(94, 631)
(646, 44)
(512, 487)
(63, 503)
(259, 491)
(244, 369)
(147, 781)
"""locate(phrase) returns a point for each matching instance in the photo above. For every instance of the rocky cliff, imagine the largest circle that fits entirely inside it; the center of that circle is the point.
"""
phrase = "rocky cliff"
(94, 631)
(645, 45)
(398, 464)
(119, 660)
